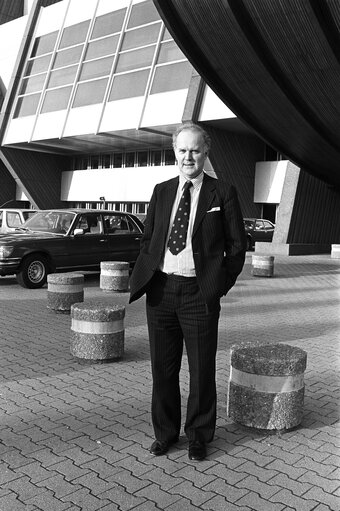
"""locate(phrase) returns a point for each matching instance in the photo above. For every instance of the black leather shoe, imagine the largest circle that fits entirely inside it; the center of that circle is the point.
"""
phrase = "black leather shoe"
(197, 450)
(159, 447)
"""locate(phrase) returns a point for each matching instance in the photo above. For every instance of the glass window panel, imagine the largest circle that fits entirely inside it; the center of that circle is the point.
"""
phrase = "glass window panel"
(32, 84)
(108, 23)
(27, 105)
(44, 44)
(142, 158)
(135, 59)
(94, 161)
(166, 35)
(169, 157)
(96, 68)
(67, 57)
(140, 37)
(106, 46)
(142, 13)
(129, 159)
(56, 99)
(129, 85)
(169, 52)
(38, 65)
(171, 77)
(117, 160)
(106, 161)
(156, 157)
(62, 77)
(90, 93)
(74, 34)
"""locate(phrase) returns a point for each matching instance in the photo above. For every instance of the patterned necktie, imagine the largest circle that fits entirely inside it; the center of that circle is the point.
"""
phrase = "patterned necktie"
(178, 235)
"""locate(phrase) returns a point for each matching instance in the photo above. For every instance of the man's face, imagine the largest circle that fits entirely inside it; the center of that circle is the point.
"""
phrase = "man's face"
(190, 153)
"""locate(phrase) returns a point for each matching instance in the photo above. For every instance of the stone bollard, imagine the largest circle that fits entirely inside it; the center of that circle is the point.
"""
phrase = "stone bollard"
(335, 252)
(266, 385)
(114, 275)
(63, 290)
(262, 266)
(97, 331)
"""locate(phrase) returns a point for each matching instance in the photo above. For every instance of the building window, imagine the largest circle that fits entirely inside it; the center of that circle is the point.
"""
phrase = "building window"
(68, 57)
(62, 77)
(141, 37)
(171, 77)
(129, 85)
(142, 13)
(156, 158)
(106, 161)
(129, 159)
(32, 84)
(142, 158)
(101, 47)
(169, 157)
(108, 23)
(118, 160)
(38, 65)
(135, 59)
(96, 68)
(56, 99)
(44, 44)
(74, 34)
(27, 105)
(90, 93)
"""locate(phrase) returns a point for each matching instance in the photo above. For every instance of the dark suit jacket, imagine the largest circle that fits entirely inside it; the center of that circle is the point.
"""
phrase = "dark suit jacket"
(218, 238)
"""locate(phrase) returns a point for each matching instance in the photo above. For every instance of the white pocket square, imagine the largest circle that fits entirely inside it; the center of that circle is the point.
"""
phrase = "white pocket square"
(214, 209)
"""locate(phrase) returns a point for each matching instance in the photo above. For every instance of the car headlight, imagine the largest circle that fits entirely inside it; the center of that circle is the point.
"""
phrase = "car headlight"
(5, 251)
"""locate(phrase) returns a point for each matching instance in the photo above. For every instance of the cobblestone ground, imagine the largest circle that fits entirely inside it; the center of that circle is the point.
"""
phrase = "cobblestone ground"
(76, 436)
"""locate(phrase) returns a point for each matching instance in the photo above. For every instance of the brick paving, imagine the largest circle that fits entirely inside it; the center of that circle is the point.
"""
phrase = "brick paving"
(76, 436)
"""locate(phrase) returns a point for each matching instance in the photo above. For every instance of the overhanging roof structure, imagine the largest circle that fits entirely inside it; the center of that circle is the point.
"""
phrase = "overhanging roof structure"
(276, 64)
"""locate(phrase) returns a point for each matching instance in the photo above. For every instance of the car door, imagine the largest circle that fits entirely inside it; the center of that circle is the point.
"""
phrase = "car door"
(88, 243)
(124, 237)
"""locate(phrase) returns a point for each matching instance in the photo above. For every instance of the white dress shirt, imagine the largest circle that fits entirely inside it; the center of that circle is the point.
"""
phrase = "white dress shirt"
(183, 263)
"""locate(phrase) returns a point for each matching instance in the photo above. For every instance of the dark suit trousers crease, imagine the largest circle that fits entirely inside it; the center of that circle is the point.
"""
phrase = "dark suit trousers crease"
(176, 310)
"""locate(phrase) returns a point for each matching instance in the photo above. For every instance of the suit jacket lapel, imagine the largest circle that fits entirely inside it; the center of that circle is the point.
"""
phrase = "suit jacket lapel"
(206, 197)
(168, 200)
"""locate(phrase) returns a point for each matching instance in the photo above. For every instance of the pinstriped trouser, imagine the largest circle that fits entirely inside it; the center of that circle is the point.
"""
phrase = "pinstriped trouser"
(176, 310)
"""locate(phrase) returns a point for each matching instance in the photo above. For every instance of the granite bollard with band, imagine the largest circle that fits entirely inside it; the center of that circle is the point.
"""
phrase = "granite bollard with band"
(114, 275)
(97, 331)
(266, 385)
(63, 290)
(262, 266)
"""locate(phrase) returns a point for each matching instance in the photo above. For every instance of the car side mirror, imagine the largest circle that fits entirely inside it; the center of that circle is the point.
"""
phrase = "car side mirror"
(77, 232)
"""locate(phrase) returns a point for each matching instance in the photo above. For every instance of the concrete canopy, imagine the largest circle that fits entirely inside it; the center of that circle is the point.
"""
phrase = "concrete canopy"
(276, 64)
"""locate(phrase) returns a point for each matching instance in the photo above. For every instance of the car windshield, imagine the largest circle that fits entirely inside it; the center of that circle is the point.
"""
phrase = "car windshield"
(50, 221)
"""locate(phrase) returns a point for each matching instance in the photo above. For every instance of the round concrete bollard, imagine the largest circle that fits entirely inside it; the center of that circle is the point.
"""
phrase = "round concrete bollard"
(114, 275)
(335, 252)
(63, 290)
(266, 385)
(97, 331)
(262, 266)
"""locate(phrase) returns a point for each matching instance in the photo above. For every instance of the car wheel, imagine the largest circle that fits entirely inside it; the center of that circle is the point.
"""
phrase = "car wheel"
(249, 243)
(33, 272)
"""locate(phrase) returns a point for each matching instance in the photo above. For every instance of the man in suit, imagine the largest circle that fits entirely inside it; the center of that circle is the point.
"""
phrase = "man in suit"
(192, 251)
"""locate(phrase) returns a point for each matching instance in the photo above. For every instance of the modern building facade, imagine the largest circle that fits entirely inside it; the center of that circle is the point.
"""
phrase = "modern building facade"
(91, 93)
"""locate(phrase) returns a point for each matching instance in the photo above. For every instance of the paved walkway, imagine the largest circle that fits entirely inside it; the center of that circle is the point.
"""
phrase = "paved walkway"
(76, 437)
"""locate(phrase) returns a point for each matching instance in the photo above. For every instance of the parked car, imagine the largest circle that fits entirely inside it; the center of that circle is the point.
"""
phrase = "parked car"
(11, 218)
(68, 239)
(258, 229)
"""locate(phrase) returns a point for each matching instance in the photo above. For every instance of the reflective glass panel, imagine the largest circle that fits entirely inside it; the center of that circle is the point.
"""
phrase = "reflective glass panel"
(74, 34)
(67, 57)
(96, 68)
(106, 46)
(142, 158)
(117, 160)
(62, 76)
(27, 105)
(32, 84)
(56, 99)
(129, 159)
(129, 85)
(135, 59)
(44, 44)
(37, 65)
(142, 13)
(169, 52)
(108, 23)
(90, 93)
(171, 77)
(140, 37)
